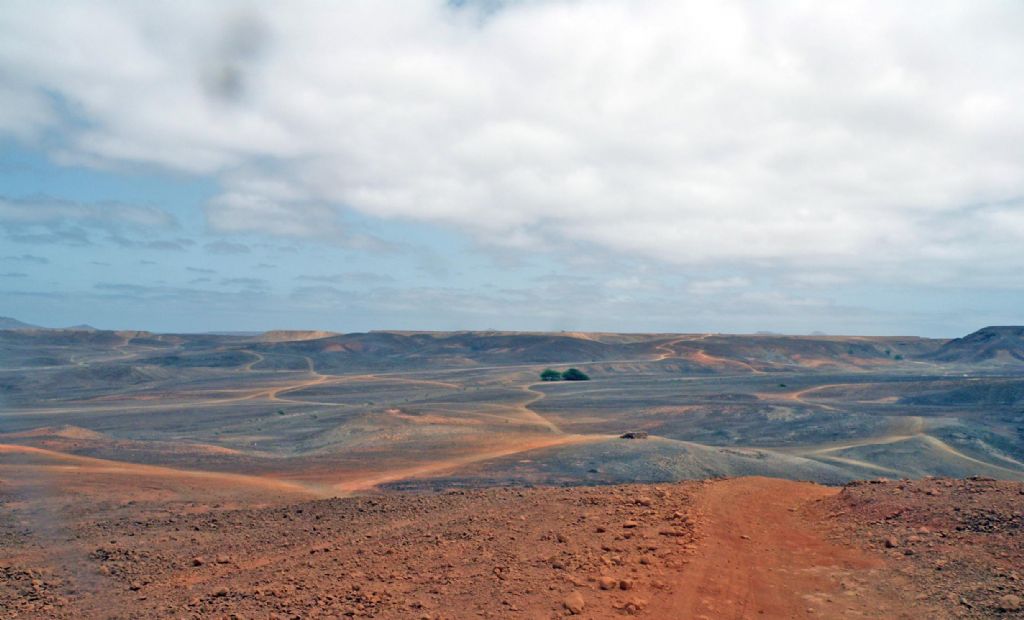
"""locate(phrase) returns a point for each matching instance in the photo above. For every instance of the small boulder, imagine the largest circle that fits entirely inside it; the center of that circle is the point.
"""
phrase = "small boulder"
(634, 435)
(574, 603)
(607, 583)
(1009, 602)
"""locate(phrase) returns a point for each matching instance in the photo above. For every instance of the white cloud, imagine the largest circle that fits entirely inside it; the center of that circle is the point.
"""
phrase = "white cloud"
(854, 135)
(714, 287)
(42, 210)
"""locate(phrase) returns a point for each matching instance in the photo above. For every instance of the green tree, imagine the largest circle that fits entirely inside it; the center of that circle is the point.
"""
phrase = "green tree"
(575, 375)
(550, 374)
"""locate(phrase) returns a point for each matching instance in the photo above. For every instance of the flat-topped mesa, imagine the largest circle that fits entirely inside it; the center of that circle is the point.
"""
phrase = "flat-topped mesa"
(290, 335)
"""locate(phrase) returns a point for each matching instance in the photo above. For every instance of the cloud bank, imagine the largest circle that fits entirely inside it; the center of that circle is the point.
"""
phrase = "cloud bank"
(865, 138)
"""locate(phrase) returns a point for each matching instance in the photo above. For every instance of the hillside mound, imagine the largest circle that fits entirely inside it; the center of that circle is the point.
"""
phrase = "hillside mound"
(989, 344)
(7, 322)
(60, 337)
(454, 349)
(63, 432)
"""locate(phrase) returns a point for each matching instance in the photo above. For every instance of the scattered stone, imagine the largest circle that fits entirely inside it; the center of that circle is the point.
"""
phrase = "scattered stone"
(892, 542)
(607, 583)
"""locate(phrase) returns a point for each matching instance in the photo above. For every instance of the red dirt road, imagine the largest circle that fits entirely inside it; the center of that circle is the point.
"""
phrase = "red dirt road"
(762, 553)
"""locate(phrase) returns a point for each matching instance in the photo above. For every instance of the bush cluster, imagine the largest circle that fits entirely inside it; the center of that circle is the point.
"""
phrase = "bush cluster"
(573, 374)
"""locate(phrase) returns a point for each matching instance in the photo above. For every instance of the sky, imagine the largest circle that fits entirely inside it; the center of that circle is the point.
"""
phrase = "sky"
(598, 165)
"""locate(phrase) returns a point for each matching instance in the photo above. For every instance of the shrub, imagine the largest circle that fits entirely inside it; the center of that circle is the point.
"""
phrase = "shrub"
(550, 374)
(575, 375)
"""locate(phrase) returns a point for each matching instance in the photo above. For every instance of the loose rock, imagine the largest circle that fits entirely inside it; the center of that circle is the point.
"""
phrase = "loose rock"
(574, 603)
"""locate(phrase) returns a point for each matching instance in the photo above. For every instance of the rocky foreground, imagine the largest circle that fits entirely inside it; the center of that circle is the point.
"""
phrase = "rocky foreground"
(736, 548)
(956, 546)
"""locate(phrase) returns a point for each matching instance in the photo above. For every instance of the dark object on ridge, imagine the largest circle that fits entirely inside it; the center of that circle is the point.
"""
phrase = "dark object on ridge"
(575, 375)
(634, 435)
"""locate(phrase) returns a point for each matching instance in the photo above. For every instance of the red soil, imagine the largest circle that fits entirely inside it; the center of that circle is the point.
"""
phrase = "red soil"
(738, 548)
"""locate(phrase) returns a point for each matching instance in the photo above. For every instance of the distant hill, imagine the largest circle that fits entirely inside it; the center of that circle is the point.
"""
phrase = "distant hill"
(284, 335)
(448, 349)
(989, 344)
(7, 322)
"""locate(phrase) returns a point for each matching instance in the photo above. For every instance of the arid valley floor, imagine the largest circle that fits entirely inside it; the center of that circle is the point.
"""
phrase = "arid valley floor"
(433, 475)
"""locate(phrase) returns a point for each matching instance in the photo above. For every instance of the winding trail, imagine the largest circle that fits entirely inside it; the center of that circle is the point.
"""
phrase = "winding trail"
(365, 482)
(667, 352)
(248, 366)
(903, 429)
(798, 396)
(700, 356)
(533, 416)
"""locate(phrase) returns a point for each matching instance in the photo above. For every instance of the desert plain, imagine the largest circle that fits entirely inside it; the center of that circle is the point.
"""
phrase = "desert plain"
(434, 475)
